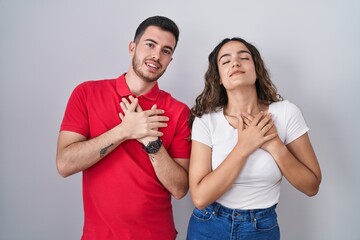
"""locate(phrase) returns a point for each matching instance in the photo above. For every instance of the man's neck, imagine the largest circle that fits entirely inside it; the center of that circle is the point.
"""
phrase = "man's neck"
(137, 85)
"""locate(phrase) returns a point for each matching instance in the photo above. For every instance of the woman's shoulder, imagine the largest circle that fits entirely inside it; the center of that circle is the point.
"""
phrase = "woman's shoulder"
(282, 105)
(285, 108)
(211, 115)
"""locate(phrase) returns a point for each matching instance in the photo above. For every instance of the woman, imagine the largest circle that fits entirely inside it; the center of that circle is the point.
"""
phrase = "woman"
(244, 139)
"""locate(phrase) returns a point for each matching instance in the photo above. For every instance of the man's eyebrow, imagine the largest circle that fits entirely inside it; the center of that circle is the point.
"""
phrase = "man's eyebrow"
(239, 52)
(153, 41)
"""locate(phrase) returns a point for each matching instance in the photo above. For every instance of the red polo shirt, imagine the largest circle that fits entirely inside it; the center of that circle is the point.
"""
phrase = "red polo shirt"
(123, 199)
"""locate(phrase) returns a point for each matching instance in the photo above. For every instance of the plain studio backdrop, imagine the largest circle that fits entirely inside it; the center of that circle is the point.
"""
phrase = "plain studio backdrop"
(311, 49)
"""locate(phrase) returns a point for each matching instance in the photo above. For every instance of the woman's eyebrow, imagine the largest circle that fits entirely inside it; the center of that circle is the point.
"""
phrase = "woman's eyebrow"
(239, 52)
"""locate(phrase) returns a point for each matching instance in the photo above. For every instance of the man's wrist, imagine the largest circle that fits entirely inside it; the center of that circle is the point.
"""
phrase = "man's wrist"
(153, 146)
(147, 140)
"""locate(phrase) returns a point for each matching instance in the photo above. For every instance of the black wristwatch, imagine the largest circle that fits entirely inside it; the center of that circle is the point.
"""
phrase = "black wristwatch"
(153, 147)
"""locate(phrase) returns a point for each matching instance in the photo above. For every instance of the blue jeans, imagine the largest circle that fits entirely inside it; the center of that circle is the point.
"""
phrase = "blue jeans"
(217, 222)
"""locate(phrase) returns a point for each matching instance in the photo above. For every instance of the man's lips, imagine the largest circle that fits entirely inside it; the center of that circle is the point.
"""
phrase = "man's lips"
(153, 65)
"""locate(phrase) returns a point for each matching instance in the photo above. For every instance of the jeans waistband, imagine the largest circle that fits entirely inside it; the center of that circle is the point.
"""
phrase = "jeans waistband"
(239, 214)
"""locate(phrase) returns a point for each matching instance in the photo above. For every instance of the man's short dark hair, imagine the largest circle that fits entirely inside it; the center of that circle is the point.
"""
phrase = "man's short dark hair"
(164, 23)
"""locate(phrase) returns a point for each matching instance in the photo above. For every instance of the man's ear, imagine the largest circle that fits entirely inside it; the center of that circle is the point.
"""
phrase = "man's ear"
(132, 46)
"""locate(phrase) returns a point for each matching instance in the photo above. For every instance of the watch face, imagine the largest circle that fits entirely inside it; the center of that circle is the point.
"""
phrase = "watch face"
(153, 147)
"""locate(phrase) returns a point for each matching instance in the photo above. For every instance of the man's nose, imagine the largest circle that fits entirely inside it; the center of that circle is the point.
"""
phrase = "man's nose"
(156, 54)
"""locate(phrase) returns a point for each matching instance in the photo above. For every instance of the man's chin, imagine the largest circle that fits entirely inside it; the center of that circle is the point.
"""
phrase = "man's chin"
(149, 78)
(152, 77)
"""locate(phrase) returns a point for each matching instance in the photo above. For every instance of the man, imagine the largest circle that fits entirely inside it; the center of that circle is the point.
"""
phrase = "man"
(131, 141)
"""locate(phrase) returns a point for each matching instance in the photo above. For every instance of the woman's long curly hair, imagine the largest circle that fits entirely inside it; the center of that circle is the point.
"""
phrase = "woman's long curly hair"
(214, 96)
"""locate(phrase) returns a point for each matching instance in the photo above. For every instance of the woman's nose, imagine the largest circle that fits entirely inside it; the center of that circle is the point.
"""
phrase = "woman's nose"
(236, 63)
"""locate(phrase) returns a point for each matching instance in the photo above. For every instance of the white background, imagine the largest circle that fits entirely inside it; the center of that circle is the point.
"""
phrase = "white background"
(48, 47)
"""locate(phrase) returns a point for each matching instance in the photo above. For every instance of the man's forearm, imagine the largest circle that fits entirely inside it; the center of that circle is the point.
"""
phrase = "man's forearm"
(170, 173)
(76, 154)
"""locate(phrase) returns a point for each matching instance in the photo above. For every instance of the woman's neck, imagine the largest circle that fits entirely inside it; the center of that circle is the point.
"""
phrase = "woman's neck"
(245, 101)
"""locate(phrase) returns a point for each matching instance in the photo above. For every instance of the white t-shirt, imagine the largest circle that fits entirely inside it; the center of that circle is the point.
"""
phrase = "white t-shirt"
(258, 184)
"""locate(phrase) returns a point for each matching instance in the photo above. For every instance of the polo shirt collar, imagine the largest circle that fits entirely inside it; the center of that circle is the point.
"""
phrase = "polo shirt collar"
(123, 89)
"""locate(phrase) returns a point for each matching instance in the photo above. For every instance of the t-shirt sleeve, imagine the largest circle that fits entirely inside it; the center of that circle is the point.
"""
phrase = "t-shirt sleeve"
(201, 131)
(76, 114)
(181, 144)
(295, 123)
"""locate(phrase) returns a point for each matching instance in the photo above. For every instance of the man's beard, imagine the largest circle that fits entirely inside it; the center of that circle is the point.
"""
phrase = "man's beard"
(136, 64)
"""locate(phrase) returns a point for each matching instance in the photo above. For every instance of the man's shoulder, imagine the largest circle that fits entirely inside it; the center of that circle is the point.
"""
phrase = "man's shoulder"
(163, 95)
(96, 84)
(99, 82)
